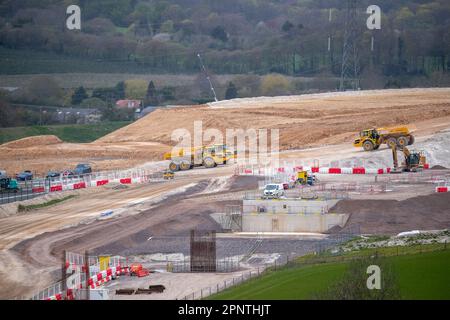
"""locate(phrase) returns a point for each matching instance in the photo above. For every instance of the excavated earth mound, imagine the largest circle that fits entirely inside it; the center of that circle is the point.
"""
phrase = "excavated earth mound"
(302, 120)
(430, 212)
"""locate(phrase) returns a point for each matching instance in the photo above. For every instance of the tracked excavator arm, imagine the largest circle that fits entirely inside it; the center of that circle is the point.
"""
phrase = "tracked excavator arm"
(413, 160)
(395, 157)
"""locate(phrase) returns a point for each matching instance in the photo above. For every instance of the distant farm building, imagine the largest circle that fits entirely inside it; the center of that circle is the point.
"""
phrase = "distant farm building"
(130, 104)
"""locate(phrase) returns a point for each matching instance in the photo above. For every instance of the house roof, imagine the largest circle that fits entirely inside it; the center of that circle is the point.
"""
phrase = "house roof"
(128, 103)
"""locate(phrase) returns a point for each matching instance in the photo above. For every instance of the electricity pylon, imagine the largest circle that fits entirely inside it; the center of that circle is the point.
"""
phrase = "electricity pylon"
(350, 65)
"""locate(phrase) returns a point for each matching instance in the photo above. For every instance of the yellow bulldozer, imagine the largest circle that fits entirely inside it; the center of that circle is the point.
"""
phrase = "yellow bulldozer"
(206, 156)
(372, 139)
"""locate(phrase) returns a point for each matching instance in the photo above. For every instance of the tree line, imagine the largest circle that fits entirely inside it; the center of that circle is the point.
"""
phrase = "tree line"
(236, 36)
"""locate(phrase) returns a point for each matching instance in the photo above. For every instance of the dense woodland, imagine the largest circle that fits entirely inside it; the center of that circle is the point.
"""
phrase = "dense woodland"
(269, 47)
(236, 36)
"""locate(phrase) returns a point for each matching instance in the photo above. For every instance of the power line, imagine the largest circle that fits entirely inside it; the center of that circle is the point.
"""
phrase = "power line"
(350, 65)
(207, 77)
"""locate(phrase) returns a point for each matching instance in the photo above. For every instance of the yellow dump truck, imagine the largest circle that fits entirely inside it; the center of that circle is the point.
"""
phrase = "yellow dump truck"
(372, 139)
(207, 156)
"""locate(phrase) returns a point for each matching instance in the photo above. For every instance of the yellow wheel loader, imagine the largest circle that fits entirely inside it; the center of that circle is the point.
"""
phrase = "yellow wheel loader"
(372, 139)
(206, 156)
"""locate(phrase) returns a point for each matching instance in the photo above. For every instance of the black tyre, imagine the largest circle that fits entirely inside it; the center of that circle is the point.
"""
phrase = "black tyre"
(368, 145)
(209, 162)
(185, 165)
(402, 142)
(174, 167)
(411, 140)
(391, 142)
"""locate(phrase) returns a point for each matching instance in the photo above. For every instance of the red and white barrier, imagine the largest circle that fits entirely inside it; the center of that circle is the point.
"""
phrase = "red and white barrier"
(442, 189)
(319, 170)
(125, 181)
(56, 188)
(106, 275)
(38, 190)
(57, 296)
(99, 183)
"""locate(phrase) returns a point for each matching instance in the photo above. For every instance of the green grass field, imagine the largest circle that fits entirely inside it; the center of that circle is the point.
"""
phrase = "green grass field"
(22, 208)
(419, 275)
(68, 133)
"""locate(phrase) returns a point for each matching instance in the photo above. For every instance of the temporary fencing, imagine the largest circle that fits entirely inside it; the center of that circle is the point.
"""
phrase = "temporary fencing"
(38, 187)
(286, 261)
(82, 273)
(257, 170)
(224, 265)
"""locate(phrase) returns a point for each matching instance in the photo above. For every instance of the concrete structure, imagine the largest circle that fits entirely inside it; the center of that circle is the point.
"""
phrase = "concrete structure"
(287, 206)
(290, 215)
(283, 222)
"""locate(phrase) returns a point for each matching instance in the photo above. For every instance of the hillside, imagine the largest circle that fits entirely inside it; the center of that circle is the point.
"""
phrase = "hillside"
(302, 120)
(235, 37)
(67, 133)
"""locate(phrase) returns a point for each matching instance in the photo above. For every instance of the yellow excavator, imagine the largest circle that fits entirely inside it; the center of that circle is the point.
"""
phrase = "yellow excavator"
(207, 156)
(372, 139)
(414, 161)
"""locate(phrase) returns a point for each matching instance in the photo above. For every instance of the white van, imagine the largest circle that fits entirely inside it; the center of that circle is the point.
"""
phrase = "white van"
(273, 190)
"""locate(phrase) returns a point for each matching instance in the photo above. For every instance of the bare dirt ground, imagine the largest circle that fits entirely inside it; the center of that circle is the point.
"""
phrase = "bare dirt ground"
(429, 212)
(304, 121)
(75, 226)
(322, 127)
(42, 157)
(35, 241)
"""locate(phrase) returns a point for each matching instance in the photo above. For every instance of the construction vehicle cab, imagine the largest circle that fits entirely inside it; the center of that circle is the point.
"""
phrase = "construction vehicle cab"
(413, 161)
(8, 184)
(304, 178)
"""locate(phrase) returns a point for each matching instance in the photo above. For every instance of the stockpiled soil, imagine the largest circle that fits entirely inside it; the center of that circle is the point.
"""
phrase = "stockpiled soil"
(431, 212)
(302, 120)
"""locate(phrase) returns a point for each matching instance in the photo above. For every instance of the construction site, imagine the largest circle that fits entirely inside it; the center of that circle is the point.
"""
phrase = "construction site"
(141, 226)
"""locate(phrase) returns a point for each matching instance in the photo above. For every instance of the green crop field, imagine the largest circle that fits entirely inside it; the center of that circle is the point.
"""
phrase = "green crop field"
(68, 133)
(419, 276)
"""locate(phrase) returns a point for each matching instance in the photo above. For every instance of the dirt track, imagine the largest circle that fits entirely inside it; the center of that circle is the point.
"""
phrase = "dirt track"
(47, 238)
